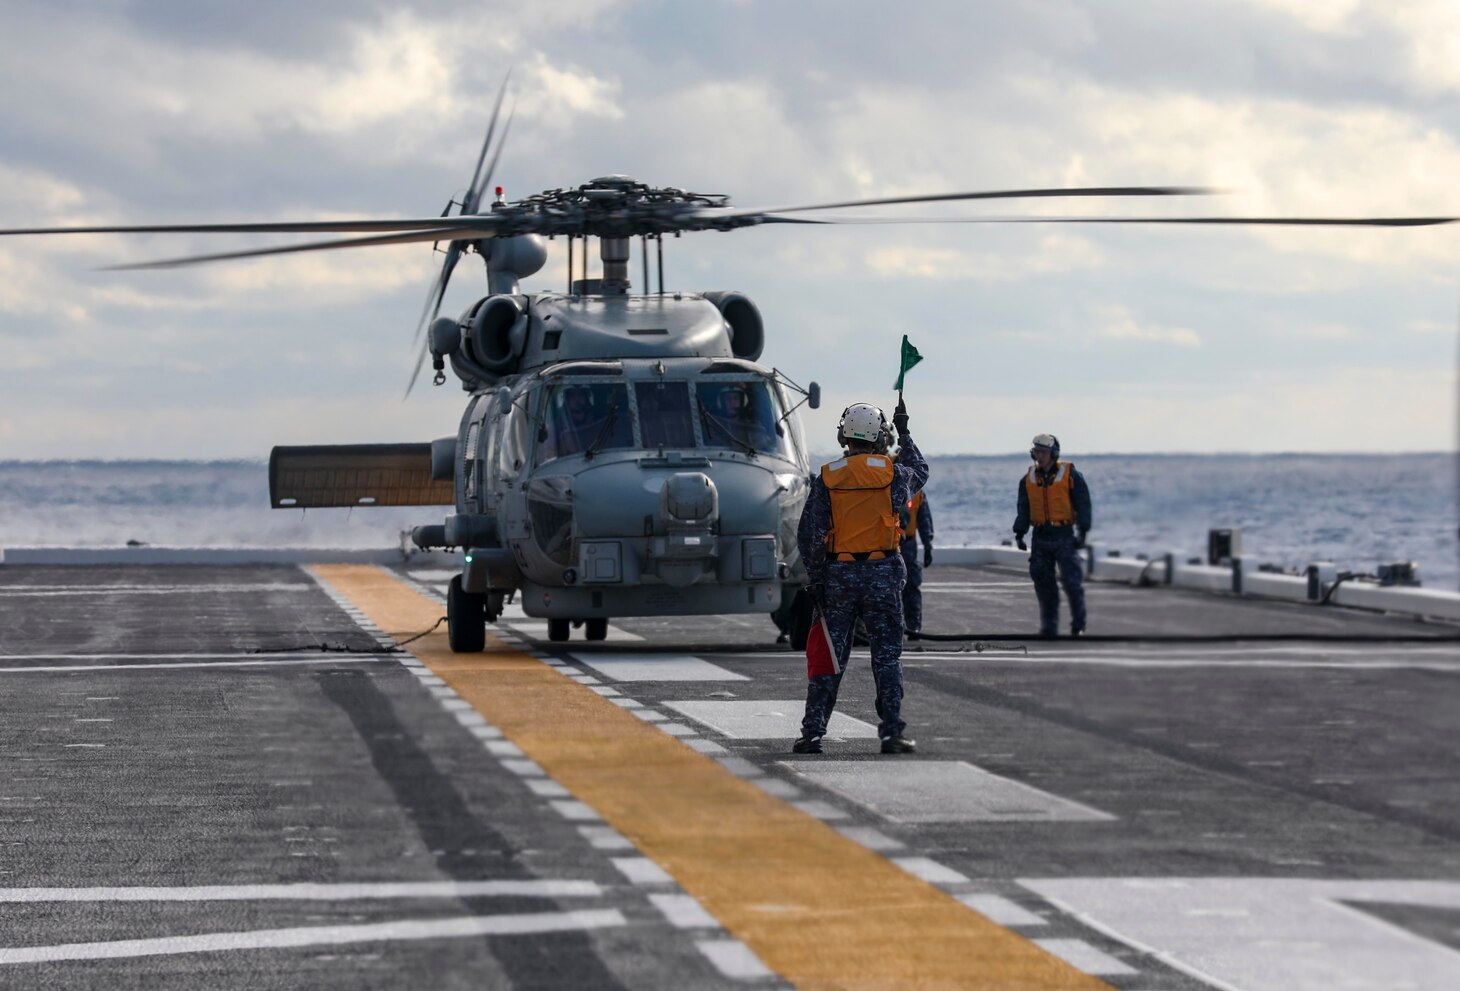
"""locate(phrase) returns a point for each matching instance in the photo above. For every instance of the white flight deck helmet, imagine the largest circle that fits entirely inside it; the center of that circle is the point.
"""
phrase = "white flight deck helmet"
(1047, 440)
(864, 422)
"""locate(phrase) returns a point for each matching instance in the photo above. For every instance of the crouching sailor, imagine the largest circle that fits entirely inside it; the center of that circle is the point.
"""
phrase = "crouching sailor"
(850, 538)
(1054, 498)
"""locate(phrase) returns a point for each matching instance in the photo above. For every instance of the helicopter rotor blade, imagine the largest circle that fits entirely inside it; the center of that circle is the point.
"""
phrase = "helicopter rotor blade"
(410, 237)
(428, 314)
(474, 188)
(268, 227)
(1006, 194)
(1211, 221)
(496, 157)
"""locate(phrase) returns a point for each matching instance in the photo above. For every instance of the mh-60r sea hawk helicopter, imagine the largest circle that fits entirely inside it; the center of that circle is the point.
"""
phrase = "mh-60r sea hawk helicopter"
(620, 454)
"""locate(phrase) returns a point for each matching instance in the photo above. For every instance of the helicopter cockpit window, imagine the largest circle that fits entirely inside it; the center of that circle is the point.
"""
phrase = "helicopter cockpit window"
(579, 417)
(740, 414)
(665, 419)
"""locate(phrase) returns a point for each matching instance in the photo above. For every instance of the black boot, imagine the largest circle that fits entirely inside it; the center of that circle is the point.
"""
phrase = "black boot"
(807, 745)
(899, 744)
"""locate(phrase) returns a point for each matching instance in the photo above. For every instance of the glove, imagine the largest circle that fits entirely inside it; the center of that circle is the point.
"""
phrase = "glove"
(927, 557)
(817, 591)
(1019, 542)
(899, 418)
(1079, 539)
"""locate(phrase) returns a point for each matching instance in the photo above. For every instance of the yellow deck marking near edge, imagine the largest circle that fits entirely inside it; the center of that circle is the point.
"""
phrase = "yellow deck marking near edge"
(817, 908)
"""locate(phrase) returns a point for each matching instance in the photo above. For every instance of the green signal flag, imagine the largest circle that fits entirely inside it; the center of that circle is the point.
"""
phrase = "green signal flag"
(910, 357)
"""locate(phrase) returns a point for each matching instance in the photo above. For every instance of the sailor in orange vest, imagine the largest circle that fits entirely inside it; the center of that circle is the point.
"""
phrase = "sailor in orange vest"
(850, 539)
(916, 519)
(1054, 499)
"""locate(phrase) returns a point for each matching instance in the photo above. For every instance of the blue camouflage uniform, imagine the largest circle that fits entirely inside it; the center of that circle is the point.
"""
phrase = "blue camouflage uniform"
(912, 592)
(1055, 546)
(871, 590)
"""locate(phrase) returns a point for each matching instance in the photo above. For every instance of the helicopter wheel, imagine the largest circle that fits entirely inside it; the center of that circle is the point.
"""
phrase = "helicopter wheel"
(595, 629)
(466, 619)
(558, 630)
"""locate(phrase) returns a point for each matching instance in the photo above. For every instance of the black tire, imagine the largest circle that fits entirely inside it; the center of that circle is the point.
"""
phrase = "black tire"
(466, 619)
(557, 630)
(595, 629)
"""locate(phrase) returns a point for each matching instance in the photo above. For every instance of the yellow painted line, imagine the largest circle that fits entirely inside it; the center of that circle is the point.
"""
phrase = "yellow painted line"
(817, 908)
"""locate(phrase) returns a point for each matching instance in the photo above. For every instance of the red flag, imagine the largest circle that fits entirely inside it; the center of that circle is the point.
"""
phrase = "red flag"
(820, 654)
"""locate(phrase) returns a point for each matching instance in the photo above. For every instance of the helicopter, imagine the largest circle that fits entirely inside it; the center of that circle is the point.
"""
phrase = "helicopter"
(620, 453)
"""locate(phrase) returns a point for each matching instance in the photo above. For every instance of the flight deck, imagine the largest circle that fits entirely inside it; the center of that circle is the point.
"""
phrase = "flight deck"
(236, 776)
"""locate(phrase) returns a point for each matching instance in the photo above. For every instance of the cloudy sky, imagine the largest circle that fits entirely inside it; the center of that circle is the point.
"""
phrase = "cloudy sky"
(1118, 339)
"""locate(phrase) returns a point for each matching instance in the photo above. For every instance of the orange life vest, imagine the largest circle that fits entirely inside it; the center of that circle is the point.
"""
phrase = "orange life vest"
(1053, 503)
(910, 526)
(863, 524)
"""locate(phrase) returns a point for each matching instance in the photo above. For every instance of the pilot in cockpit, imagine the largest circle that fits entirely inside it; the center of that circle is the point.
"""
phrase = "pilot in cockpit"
(733, 408)
(578, 422)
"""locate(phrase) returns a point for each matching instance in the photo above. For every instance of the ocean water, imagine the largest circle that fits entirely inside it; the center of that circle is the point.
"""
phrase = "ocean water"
(1355, 510)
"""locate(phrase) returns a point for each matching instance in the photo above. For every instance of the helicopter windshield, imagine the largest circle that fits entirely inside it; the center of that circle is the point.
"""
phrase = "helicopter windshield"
(664, 414)
(740, 414)
(580, 417)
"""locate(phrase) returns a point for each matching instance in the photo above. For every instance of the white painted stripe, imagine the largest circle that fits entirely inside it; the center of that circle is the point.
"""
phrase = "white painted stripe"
(677, 729)
(766, 719)
(304, 891)
(627, 703)
(1208, 661)
(733, 959)
(1002, 911)
(547, 788)
(485, 732)
(578, 811)
(705, 746)
(482, 925)
(1082, 955)
(819, 809)
(641, 870)
(503, 748)
(603, 690)
(684, 912)
(740, 767)
(872, 839)
(195, 656)
(939, 791)
(656, 667)
(523, 766)
(25, 591)
(605, 838)
(777, 787)
(929, 870)
(585, 679)
(296, 661)
(650, 715)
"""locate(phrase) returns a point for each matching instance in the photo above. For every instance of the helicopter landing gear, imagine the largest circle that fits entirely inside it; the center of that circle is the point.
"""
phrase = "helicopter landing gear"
(595, 629)
(466, 619)
(558, 630)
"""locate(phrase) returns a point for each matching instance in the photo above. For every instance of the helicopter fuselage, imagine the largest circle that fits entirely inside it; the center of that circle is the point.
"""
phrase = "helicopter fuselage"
(631, 463)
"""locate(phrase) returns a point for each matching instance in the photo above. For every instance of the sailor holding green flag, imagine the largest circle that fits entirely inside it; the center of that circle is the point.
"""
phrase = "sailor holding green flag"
(850, 540)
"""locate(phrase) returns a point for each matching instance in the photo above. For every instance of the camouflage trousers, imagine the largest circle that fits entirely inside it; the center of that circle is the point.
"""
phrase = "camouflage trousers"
(1045, 553)
(871, 591)
(912, 592)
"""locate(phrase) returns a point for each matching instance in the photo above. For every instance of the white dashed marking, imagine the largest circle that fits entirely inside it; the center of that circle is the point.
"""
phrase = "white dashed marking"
(641, 870)
(733, 959)
(684, 912)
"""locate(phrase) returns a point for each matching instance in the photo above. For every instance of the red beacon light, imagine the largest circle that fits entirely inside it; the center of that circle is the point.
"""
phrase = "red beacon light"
(499, 198)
